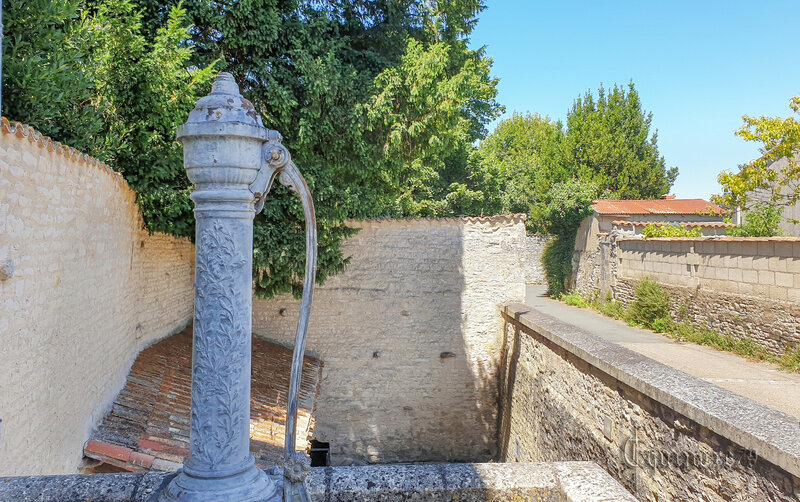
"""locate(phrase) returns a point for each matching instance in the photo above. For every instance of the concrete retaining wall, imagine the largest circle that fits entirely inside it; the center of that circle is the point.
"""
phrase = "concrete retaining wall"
(90, 288)
(409, 338)
(665, 435)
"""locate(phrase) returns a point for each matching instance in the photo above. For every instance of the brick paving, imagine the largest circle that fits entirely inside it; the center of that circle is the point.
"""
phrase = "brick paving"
(148, 425)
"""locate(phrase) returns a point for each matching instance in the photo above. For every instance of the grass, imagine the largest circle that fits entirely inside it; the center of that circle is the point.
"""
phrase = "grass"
(685, 331)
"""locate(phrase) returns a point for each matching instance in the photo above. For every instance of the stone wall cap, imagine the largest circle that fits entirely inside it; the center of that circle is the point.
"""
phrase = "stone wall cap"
(26, 132)
(770, 434)
(499, 218)
(562, 481)
(711, 238)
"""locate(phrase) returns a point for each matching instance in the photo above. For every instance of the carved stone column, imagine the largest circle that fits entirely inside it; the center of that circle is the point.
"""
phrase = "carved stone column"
(222, 141)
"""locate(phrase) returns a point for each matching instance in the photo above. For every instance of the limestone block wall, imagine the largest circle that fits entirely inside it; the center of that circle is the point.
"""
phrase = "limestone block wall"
(663, 434)
(90, 288)
(534, 247)
(745, 287)
(409, 338)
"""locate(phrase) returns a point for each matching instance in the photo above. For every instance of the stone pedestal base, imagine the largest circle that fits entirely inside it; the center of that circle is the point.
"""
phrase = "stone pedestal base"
(252, 485)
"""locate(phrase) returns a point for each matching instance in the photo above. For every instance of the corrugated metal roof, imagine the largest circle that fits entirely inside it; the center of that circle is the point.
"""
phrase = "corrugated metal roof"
(148, 425)
(687, 224)
(657, 206)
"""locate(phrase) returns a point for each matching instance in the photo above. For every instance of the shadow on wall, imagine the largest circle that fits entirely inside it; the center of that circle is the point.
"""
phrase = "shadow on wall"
(409, 339)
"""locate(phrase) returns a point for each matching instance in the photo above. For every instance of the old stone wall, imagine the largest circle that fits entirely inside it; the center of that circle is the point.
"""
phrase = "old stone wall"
(744, 287)
(409, 336)
(534, 247)
(89, 289)
(665, 435)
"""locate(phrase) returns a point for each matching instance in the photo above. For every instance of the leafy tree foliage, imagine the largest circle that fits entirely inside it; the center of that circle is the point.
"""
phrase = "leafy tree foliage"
(517, 164)
(608, 141)
(146, 92)
(564, 207)
(45, 59)
(763, 220)
(779, 138)
(378, 100)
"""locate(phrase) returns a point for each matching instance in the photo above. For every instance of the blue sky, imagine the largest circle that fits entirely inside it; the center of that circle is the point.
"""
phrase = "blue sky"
(698, 67)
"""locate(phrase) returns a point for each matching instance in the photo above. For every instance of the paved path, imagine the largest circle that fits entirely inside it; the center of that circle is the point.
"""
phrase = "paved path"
(759, 381)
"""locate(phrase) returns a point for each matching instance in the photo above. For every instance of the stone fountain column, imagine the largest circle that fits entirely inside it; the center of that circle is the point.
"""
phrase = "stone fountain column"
(222, 141)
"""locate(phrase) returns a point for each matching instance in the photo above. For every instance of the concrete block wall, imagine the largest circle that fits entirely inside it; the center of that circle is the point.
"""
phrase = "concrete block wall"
(90, 288)
(664, 435)
(409, 338)
(745, 287)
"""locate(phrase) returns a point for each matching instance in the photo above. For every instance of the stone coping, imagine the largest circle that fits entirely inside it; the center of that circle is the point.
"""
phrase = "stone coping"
(498, 218)
(711, 238)
(26, 132)
(772, 435)
(554, 481)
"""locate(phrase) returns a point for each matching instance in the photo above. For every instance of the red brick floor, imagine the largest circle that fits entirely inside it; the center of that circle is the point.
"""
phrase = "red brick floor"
(149, 419)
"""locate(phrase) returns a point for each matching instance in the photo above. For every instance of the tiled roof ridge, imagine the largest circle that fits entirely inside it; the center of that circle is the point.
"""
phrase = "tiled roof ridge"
(497, 218)
(24, 131)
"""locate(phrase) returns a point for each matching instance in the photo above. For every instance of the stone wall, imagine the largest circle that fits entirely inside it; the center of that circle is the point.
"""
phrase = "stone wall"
(409, 338)
(534, 247)
(744, 287)
(665, 435)
(89, 289)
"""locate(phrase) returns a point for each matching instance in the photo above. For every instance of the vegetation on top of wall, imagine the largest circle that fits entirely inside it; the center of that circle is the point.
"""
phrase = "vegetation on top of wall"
(653, 230)
(763, 220)
(650, 310)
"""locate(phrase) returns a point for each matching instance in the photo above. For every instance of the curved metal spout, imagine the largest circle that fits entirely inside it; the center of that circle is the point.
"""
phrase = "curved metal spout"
(296, 465)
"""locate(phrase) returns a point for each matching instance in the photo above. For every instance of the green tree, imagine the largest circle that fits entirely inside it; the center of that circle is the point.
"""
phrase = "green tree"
(378, 100)
(779, 138)
(517, 164)
(608, 141)
(145, 91)
(427, 111)
(45, 63)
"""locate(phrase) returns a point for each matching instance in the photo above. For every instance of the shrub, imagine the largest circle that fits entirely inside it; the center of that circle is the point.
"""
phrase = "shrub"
(653, 230)
(575, 299)
(663, 325)
(791, 359)
(650, 303)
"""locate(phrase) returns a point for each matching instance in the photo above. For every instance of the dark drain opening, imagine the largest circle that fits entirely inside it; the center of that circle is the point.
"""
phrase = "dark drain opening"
(320, 453)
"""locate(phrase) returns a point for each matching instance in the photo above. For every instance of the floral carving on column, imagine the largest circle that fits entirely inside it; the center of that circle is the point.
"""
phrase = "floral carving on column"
(219, 353)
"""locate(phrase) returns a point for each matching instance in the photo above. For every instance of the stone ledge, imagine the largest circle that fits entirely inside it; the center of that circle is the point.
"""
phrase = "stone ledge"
(556, 482)
(770, 434)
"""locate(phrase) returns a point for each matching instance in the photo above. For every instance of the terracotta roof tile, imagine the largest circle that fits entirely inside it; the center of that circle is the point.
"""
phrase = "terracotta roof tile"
(148, 425)
(656, 206)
